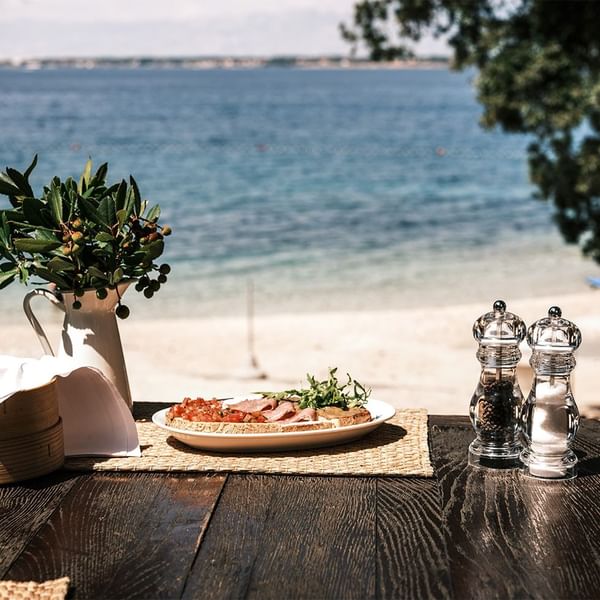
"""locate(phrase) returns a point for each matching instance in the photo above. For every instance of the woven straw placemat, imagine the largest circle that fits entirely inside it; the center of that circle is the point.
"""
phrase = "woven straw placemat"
(55, 589)
(398, 447)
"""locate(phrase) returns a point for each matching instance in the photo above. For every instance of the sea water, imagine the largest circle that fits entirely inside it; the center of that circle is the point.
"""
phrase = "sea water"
(329, 189)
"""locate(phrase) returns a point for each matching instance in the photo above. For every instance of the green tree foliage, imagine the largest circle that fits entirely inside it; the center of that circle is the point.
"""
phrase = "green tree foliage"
(538, 65)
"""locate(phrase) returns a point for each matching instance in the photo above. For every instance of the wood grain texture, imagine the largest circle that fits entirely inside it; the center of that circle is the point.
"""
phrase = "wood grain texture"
(512, 537)
(123, 536)
(143, 411)
(412, 559)
(480, 534)
(24, 508)
(289, 537)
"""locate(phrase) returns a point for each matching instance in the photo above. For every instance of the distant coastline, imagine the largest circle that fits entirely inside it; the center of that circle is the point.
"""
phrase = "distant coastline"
(219, 62)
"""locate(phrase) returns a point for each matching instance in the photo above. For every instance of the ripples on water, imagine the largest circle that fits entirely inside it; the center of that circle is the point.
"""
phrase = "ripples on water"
(331, 189)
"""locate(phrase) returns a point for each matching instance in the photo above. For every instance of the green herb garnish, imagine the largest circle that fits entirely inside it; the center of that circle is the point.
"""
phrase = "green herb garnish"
(329, 392)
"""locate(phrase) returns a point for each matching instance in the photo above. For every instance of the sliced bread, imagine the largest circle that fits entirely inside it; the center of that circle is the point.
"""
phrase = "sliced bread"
(220, 427)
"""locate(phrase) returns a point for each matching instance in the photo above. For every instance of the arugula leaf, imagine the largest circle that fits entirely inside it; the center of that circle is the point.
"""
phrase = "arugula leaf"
(329, 392)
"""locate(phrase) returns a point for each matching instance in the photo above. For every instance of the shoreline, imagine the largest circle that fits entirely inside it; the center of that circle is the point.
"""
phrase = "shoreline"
(208, 63)
(419, 357)
(376, 283)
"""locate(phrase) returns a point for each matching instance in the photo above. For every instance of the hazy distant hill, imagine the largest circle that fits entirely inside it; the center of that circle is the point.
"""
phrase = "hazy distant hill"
(220, 62)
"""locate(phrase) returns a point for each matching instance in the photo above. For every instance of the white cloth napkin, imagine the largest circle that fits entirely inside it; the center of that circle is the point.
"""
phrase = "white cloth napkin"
(96, 421)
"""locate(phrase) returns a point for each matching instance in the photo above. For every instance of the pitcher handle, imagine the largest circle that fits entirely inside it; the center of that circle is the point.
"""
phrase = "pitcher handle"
(49, 295)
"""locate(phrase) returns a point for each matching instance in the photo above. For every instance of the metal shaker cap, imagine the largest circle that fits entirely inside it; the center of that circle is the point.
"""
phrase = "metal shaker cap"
(554, 333)
(499, 327)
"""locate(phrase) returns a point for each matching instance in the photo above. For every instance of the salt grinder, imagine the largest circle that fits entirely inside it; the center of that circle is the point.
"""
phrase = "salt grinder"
(550, 417)
(496, 403)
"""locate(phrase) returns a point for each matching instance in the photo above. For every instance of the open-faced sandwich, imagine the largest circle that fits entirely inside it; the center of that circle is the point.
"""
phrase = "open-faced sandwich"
(323, 405)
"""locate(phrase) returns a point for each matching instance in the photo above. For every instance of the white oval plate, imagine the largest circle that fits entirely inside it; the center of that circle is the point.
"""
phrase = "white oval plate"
(273, 442)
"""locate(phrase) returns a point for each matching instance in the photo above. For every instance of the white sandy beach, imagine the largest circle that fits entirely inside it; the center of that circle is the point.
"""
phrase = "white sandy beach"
(410, 358)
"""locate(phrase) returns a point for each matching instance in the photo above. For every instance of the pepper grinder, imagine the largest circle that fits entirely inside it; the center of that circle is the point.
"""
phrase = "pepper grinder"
(496, 403)
(550, 417)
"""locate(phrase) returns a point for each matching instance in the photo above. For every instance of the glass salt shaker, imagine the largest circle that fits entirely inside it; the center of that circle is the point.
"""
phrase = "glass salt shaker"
(550, 417)
(496, 403)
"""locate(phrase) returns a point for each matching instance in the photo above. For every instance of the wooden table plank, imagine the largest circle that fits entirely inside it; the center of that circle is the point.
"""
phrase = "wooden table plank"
(412, 560)
(509, 536)
(24, 508)
(143, 411)
(289, 537)
(489, 534)
(123, 535)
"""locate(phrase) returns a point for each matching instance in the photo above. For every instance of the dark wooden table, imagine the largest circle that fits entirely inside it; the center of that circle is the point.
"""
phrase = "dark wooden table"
(466, 533)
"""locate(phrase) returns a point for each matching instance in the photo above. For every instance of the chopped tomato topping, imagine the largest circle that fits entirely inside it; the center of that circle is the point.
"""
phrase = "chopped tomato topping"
(212, 411)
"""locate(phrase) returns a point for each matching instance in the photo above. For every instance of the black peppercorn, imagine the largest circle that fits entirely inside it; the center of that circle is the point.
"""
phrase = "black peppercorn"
(497, 408)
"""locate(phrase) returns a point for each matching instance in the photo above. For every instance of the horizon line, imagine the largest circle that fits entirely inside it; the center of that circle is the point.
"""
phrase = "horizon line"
(278, 56)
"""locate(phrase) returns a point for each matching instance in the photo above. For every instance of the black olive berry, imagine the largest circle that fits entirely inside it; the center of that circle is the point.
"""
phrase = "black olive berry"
(122, 311)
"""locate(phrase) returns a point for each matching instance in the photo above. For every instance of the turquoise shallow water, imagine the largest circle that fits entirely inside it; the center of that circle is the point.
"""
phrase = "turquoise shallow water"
(329, 189)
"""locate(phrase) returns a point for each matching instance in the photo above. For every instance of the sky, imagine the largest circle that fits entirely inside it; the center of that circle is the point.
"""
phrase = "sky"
(54, 28)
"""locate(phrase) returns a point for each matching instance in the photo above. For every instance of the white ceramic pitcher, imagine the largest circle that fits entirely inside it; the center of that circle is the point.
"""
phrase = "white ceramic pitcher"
(90, 334)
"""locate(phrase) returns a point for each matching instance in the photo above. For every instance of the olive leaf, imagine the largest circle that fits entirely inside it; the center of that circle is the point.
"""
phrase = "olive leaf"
(20, 181)
(80, 235)
(4, 231)
(95, 272)
(117, 276)
(7, 277)
(32, 211)
(153, 213)
(136, 195)
(107, 211)
(53, 277)
(121, 195)
(60, 264)
(89, 210)
(33, 246)
(30, 168)
(56, 202)
(122, 217)
(154, 249)
(7, 186)
(84, 180)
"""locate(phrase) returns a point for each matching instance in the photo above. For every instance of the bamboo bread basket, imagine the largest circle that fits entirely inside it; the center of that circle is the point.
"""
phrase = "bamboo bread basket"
(31, 435)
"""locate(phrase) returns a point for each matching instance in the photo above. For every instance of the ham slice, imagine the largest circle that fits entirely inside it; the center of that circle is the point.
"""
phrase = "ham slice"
(251, 406)
(283, 410)
(306, 414)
